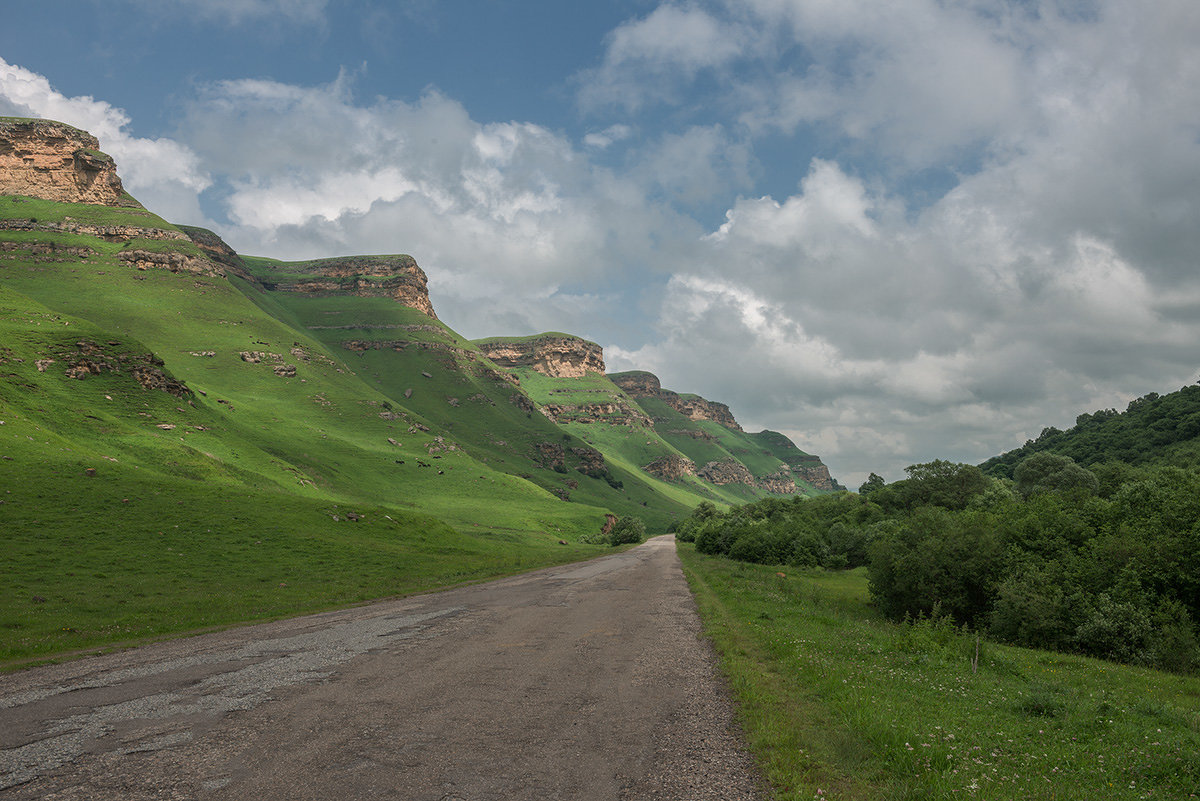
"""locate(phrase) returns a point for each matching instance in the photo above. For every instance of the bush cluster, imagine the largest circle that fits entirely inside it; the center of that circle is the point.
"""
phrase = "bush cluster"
(831, 531)
(628, 529)
(1104, 562)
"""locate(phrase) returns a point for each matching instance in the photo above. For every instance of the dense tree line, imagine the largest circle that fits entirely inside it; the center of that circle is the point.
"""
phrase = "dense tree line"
(1102, 560)
(1152, 428)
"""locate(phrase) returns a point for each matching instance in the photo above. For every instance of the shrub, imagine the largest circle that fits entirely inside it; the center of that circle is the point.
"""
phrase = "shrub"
(628, 529)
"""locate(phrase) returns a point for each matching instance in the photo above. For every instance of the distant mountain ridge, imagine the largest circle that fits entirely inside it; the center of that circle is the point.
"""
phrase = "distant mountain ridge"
(540, 408)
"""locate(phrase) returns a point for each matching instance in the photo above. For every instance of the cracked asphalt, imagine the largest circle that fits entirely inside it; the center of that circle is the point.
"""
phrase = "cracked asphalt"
(587, 681)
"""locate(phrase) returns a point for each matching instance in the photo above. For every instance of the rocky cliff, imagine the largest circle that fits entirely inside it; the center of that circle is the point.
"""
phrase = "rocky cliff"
(217, 250)
(397, 277)
(551, 354)
(53, 161)
(640, 384)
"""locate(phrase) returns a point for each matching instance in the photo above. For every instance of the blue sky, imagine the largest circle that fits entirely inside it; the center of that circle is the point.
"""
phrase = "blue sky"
(895, 231)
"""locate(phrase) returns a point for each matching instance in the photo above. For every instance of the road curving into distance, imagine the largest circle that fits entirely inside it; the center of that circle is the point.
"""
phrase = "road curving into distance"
(586, 681)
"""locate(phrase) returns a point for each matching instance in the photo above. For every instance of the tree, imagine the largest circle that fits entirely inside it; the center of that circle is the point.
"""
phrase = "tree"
(1049, 472)
(949, 485)
(872, 483)
(628, 529)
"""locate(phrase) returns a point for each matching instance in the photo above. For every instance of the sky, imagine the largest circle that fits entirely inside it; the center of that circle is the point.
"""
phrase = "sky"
(894, 230)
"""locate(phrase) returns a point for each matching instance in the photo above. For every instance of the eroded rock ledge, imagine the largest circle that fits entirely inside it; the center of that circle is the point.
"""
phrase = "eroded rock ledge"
(54, 161)
(397, 277)
(551, 354)
(671, 467)
(640, 384)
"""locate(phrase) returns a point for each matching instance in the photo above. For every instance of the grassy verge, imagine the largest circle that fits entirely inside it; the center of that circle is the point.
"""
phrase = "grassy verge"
(837, 703)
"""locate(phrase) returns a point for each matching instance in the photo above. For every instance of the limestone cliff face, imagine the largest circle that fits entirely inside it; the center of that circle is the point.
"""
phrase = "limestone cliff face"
(640, 384)
(552, 354)
(396, 277)
(817, 474)
(53, 161)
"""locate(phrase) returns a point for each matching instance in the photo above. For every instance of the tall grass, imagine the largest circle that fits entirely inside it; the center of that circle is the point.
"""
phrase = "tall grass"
(837, 703)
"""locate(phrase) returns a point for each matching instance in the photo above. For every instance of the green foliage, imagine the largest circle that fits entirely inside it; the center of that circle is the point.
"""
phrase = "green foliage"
(627, 530)
(1056, 566)
(1064, 559)
(1049, 472)
(1153, 429)
(831, 531)
(937, 560)
(873, 482)
(937, 483)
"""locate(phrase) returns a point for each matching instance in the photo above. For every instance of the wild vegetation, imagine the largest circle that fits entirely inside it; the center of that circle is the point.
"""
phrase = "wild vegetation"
(839, 703)
(1102, 560)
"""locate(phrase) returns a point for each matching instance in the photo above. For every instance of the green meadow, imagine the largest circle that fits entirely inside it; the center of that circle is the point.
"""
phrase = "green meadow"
(838, 703)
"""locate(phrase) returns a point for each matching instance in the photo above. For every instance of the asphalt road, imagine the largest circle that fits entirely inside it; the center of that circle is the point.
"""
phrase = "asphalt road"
(587, 681)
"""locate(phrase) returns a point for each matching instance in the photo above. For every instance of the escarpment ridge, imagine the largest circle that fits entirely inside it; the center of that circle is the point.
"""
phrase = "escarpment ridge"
(552, 354)
(397, 277)
(72, 238)
(640, 384)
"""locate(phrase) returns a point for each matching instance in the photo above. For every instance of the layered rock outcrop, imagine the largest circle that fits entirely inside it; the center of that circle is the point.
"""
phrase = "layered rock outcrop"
(396, 277)
(671, 467)
(780, 482)
(816, 474)
(616, 413)
(216, 249)
(726, 471)
(53, 161)
(640, 384)
(551, 354)
(90, 358)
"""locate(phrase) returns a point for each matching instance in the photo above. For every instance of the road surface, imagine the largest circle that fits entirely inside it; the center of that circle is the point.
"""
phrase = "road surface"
(586, 681)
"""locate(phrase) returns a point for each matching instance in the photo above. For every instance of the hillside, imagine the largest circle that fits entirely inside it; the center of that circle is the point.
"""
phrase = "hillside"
(192, 437)
(1153, 429)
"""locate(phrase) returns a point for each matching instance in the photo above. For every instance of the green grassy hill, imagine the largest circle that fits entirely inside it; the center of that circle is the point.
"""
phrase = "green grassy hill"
(191, 438)
(129, 511)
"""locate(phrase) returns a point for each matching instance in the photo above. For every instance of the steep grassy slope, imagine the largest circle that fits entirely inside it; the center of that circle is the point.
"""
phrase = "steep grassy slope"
(423, 366)
(600, 413)
(129, 511)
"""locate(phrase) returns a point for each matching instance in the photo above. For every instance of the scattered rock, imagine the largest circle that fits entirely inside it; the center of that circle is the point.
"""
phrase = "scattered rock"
(408, 393)
(427, 375)
(285, 370)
